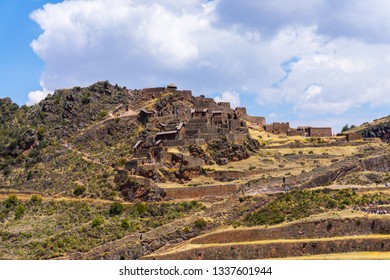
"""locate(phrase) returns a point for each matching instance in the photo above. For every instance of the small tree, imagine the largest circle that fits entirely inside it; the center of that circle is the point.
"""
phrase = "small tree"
(345, 128)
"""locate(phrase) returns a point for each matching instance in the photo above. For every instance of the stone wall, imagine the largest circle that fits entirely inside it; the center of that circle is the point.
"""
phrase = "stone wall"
(190, 161)
(235, 244)
(320, 131)
(294, 132)
(279, 249)
(184, 94)
(354, 136)
(225, 105)
(203, 102)
(146, 182)
(237, 138)
(313, 229)
(196, 141)
(151, 93)
(241, 112)
(278, 128)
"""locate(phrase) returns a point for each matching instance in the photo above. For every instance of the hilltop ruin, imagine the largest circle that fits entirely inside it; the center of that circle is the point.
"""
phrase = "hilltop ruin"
(183, 119)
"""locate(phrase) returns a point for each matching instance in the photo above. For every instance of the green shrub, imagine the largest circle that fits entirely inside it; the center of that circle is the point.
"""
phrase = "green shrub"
(125, 224)
(103, 114)
(29, 175)
(79, 190)
(40, 133)
(34, 153)
(36, 199)
(11, 201)
(200, 224)
(6, 170)
(116, 209)
(97, 221)
(141, 208)
(19, 212)
(85, 100)
(331, 204)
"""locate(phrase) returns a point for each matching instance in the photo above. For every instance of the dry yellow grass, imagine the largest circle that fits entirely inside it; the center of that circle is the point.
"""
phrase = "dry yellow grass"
(174, 150)
(345, 256)
(374, 122)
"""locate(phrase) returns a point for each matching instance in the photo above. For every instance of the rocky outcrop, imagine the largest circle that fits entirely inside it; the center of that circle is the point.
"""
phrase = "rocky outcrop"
(69, 110)
(223, 151)
(378, 164)
(378, 131)
(197, 152)
(133, 188)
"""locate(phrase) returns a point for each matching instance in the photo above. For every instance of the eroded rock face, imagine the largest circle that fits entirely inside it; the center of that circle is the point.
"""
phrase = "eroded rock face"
(378, 164)
(133, 188)
(223, 151)
(379, 131)
(197, 152)
(27, 139)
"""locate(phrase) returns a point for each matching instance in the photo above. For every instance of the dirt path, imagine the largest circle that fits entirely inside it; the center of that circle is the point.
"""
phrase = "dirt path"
(111, 116)
(24, 196)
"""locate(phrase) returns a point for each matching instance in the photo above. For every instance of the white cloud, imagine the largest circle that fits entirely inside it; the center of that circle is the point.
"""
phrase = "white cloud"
(313, 91)
(36, 96)
(286, 56)
(232, 97)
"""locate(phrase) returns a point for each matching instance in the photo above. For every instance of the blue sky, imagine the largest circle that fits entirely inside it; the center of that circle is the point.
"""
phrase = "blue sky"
(20, 67)
(317, 62)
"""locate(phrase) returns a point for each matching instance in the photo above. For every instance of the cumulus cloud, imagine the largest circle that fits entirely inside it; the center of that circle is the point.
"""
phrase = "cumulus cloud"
(36, 96)
(232, 97)
(286, 58)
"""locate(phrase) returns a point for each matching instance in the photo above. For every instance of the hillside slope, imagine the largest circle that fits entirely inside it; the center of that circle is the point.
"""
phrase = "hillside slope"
(105, 172)
(379, 128)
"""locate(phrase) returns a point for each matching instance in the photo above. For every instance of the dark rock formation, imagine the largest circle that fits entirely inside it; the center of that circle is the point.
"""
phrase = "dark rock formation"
(378, 131)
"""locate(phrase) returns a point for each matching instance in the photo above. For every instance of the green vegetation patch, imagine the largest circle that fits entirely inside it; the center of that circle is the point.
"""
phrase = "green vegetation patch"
(36, 229)
(304, 203)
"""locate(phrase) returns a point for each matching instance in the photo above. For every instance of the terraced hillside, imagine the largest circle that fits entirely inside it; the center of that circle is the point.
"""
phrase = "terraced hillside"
(105, 172)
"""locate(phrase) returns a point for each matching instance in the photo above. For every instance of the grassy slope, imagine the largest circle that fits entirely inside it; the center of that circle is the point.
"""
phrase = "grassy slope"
(370, 124)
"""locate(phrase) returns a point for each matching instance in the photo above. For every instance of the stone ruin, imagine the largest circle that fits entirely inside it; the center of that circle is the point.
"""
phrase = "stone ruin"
(179, 119)
(183, 119)
(305, 131)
